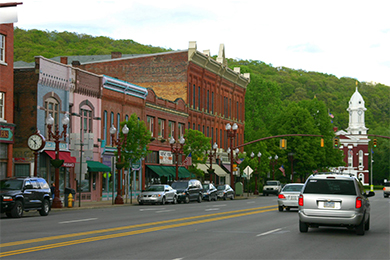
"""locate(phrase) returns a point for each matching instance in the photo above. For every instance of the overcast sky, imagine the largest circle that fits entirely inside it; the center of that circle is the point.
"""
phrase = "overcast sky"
(346, 38)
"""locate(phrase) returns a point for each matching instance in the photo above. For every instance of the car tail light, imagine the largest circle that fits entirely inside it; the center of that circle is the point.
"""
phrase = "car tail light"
(300, 200)
(281, 196)
(358, 202)
(384, 188)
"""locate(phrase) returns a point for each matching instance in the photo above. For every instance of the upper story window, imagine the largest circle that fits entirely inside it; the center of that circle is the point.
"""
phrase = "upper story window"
(161, 128)
(2, 106)
(150, 121)
(181, 130)
(86, 119)
(52, 107)
(171, 129)
(2, 48)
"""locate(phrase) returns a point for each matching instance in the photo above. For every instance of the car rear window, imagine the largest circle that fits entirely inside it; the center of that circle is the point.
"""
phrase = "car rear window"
(272, 183)
(179, 185)
(330, 186)
(387, 184)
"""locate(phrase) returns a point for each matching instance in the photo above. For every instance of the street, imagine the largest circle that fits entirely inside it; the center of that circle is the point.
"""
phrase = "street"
(232, 229)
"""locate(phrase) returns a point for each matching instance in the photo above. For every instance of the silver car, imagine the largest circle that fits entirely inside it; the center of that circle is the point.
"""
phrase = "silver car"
(160, 193)
(331, 199)
(288, 197)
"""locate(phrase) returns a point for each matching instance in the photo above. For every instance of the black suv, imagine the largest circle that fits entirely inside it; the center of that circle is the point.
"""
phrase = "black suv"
(20, 194)
(188, 190)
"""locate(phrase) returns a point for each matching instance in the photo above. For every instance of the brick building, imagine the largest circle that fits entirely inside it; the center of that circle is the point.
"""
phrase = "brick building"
(7, 125)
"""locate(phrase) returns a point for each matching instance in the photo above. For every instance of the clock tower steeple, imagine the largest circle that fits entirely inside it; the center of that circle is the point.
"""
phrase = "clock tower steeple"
(356, 111)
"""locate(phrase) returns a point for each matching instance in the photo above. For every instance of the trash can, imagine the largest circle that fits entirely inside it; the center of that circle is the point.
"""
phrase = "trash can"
(239, 188)
(66, 195)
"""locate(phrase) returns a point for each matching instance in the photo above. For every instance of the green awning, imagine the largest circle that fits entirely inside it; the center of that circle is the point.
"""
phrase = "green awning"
(159, 170)
(94, 166)
(184, 173)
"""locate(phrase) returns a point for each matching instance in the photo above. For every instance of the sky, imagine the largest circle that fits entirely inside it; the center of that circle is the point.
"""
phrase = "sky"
(345, 38)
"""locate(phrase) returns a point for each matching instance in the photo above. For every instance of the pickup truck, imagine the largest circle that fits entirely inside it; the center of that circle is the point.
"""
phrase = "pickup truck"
(386, 189)
(272, 187)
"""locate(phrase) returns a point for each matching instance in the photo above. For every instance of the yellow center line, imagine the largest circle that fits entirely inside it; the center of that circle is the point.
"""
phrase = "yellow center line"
(36, 240)
(129, 233)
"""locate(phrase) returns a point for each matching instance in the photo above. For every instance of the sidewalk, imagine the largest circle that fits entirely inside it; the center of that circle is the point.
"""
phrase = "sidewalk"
(108, 203)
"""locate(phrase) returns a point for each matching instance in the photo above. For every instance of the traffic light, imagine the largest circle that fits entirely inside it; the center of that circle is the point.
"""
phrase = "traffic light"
(374, 143)
(336, 142)
(234, 167)
(322, 142)
(283, 144)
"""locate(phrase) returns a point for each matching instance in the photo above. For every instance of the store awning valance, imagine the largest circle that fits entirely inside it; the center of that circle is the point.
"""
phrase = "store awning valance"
(69, 161)
(162, 170)
(217, 169)
(94, 166)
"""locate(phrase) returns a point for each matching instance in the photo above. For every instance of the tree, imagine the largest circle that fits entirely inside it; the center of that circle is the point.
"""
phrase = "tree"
(197, 144)
(138, 138)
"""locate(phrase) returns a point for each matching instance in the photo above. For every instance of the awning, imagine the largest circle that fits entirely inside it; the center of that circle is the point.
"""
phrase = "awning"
(69, 161)
(217, 169)
(94, 166)
(162, 170)
(159, 170)
(227, 166)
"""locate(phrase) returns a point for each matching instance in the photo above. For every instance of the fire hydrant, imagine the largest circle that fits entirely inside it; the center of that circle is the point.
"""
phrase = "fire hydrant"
(70, 200)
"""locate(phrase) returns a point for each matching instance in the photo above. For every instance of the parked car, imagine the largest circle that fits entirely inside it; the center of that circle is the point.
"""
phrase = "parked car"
(188, 190)
(19, 194)
(160, 193)
(272, 187)
(386, 189)
(209, 192)
(288, 197)
(225, 191)
(331, 199)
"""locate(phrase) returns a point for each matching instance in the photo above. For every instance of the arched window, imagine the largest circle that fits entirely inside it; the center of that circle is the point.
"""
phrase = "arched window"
(52, 106)
(361, 158)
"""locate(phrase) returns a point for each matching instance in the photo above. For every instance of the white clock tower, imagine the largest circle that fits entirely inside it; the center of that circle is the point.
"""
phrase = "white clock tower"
(356, 111)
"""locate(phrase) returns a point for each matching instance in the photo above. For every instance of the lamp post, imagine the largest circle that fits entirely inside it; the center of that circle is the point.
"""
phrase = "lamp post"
(231, 133)
(212, 154)
(176, 151)
(257, 171)
(57, 163)
(273, 163)
(119, 164)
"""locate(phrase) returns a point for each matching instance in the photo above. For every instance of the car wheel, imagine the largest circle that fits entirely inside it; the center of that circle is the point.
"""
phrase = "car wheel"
(17, 211)
(210, 199)
(360, 228)
(199, 198)
(163, 201)
(266, 194)
(232, 197)
(187, 199)
(45, 208)
(303, 227)
(224, 197)
(367, 225)
(174, 201)
(280, 208)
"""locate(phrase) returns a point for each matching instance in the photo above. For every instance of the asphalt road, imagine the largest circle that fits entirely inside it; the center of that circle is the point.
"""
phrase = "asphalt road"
(238, 229)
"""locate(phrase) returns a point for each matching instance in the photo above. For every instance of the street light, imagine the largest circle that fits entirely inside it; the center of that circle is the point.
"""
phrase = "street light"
(273, 163)
(119, 165)
(212, 154)
(57, 163)
(257, 171)
(231, 133)
(176, 151)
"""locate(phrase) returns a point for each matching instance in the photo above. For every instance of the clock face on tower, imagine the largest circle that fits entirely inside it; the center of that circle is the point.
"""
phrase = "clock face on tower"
(360, 112)
(36, 142)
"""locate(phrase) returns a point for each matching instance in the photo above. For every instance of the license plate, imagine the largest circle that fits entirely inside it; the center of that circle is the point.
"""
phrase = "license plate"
(293, 197)
(328, 204)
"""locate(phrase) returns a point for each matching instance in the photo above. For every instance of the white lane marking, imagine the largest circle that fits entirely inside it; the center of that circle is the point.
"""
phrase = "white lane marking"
(153, 209)
(251, 202)
(211, 209)
(269, 232)
(78, 220)
(168, 210)
(177, 258)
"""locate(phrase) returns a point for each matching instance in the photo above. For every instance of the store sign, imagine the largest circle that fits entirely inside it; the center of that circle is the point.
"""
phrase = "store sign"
(165, 157)
(6, 134)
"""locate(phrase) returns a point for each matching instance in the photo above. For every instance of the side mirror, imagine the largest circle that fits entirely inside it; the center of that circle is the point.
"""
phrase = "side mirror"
(28, 186)
(371, 194)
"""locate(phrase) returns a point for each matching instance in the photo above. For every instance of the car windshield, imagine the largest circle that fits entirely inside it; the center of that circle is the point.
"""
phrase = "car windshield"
(11, 184)
(387, 184)
(222, 187)
(330, 186)
(206, 186)
(293, 187)
(179, 185)
(155, 188)
(273, 183)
